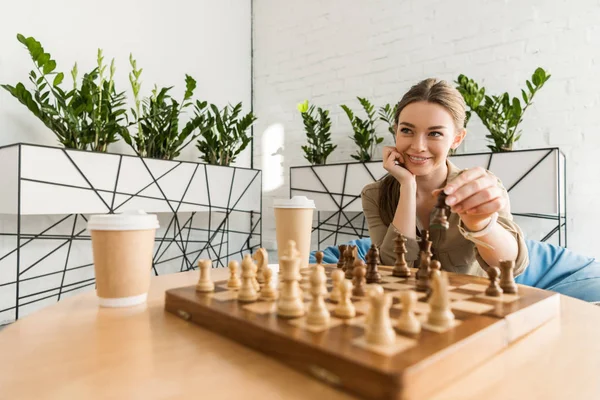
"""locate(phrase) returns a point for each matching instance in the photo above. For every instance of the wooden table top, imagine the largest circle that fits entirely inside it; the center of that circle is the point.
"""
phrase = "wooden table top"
(76, 350)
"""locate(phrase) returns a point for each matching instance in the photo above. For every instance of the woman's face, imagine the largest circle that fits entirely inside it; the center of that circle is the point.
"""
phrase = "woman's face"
(425, 134)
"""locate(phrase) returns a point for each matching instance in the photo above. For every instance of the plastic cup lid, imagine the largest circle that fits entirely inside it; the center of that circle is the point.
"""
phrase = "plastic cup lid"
(294, 202)
(127, 221)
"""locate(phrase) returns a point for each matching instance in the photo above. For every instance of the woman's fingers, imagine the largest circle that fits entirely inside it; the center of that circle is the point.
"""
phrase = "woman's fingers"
(478, 199)
(488, 208)
(469, 188)
(464, 178)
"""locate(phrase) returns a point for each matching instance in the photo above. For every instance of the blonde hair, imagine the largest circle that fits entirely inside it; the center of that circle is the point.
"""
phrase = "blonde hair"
(436, 91)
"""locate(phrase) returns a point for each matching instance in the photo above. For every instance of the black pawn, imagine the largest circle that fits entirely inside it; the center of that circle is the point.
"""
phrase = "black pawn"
(494, 289)
(507, 280)
(373, 275)
(341, 261)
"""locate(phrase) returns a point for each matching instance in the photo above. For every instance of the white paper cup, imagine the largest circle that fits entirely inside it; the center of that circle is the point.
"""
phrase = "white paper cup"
(293, 221)
(122, 246)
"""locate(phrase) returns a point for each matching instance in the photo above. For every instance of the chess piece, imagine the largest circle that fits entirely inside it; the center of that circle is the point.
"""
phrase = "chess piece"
(440, 213)
(423, 276)
(507, 278)
(345, 309)
(247, 291)
(254, 280)
(373, 275)
(290, 303)
(440, 315)
(204, 283)
(401, 269)
(234, 281)
(425, 255)
(262, 260)
(337, 276)
(359, 278)
(494, 289)
(434, 265)
(349, 262)
(342, 259)
(408, 322)
(379, 330)
(268, 292)
(319, 257)
(317, 314)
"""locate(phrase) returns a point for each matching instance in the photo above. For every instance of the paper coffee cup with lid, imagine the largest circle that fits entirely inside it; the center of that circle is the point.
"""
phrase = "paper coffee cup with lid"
(293, 221)
(122, 246)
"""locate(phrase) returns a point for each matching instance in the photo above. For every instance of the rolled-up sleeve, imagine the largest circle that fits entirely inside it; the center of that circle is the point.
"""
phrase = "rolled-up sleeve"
(383, 236)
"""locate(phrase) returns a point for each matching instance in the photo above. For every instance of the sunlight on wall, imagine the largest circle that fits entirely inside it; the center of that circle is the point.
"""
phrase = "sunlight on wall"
(272, 157)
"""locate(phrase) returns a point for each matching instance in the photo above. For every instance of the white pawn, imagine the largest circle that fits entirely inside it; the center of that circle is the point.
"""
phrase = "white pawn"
(379, 330)
(408, 322)
(204, 283)
(375, 290)
(247, 292)
(440, 315)
(268, 292)
(345, 308)
(337, 277)
(234, 281)
(318, 314)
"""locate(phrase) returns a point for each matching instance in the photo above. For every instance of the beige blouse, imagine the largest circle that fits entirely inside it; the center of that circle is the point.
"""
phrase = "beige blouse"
(455, 253)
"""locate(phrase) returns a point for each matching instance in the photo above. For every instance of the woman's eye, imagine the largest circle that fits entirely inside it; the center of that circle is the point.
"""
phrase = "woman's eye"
(405, 130)
(436, 133)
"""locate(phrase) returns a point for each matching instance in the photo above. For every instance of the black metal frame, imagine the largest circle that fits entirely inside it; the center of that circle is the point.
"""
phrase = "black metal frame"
(214, 244)
(355, 224)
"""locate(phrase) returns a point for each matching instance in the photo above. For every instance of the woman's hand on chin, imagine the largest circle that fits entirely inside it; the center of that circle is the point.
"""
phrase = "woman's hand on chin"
(393, 162)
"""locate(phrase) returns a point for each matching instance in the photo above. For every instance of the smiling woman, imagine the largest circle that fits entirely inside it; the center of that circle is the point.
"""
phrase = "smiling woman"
(429, 122)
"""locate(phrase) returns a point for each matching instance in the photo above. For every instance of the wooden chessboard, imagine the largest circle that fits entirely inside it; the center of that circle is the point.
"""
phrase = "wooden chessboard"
(414, 367)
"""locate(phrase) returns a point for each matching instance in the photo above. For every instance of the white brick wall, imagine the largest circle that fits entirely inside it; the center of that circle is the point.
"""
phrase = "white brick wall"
(332, 51)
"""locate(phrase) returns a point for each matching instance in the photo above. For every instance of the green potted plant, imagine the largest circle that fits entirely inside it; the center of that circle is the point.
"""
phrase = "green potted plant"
(501, 115)
(87, 117)
(387, 114)
(364, 131)
(317, 128)
(158, 119)
(225, 136)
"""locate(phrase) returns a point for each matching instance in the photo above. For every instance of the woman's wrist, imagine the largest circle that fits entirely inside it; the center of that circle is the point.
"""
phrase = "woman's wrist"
(476, 226)
(408, 186)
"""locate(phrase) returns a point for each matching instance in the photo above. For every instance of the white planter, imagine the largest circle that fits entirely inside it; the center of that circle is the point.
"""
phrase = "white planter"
(48, 193)
(534, 178)
(58, 181)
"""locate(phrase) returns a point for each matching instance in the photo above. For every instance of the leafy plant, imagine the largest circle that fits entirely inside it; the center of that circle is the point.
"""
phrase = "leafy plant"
(89, 117)
(317, 128)
(157, 119)
(225, 137)
(499, 114)
(364, 131)
(387, 114)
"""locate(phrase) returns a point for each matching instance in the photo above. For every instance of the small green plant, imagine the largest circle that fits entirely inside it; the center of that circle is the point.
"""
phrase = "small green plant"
(387, 114)
(157, 119)
(499, 114)
(89, 117)
(317, 128)
(364, 131)
(225, 137)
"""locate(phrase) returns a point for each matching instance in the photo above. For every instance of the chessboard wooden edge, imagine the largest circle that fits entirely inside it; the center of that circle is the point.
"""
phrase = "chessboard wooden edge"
(296, 354)
(485, 336)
